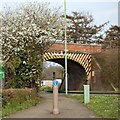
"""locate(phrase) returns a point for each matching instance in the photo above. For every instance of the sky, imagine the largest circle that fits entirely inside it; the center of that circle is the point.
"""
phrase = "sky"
(102, 10)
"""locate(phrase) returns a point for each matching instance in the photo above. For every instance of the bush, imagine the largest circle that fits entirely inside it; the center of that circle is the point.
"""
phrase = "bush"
(50, 89)
(46, 88)
(108, 61)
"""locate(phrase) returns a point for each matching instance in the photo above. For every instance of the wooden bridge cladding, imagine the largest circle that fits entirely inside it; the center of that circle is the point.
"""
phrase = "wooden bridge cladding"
(76, 47)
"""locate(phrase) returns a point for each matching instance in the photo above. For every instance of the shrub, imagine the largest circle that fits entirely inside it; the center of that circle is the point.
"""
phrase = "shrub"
(46, 88)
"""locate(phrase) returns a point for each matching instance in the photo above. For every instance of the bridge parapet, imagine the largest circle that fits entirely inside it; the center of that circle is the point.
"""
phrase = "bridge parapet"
(76, 48)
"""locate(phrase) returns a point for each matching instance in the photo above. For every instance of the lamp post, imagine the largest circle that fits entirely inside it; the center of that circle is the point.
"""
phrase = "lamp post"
(66, 79)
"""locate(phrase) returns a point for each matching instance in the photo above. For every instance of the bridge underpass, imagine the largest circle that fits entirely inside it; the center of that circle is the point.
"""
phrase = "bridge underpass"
(81, 64)
(76, 74)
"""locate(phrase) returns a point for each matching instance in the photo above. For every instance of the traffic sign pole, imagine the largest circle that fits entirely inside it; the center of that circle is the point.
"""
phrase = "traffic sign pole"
(55, 97)
(66, 78)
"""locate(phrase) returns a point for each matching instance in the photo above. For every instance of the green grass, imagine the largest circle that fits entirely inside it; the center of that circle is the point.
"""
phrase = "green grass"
(103, 106)
(14, 100)
(0, 113)
(46, 89)
(14, 106)
(49, 89)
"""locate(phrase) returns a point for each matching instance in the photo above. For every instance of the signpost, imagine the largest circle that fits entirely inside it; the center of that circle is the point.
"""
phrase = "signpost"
(55, 83)
(66, 79)
(55, 97)
(1, 73)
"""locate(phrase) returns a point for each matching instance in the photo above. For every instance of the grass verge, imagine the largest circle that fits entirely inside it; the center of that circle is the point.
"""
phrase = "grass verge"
(16, 100)
(103, 106)
(50, 89)
(14, 106)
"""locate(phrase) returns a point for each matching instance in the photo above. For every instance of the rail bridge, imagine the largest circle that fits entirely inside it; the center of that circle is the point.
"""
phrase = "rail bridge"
(81, 64)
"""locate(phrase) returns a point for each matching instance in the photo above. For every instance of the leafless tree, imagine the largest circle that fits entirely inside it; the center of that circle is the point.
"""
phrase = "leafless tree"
(112, 36)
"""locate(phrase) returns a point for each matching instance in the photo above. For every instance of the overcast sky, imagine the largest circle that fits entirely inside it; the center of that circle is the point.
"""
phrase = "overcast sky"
(102, 10)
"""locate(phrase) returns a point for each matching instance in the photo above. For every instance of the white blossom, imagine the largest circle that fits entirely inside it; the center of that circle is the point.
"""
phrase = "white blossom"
(33, 25)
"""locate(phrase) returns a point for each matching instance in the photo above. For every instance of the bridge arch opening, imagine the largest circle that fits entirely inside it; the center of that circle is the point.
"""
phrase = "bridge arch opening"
(49, 68)
(76, 74)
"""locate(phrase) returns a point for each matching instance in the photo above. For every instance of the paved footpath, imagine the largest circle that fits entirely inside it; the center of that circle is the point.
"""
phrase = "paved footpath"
(68, 108)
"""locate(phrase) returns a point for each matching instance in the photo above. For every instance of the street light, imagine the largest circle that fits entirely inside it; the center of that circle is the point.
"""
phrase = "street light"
(66, 79)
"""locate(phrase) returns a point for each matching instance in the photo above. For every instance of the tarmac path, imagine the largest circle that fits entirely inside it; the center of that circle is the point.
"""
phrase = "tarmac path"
(68, 108)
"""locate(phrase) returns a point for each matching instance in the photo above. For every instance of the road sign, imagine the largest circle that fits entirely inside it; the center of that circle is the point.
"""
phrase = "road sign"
(55, 83)
(1, 73)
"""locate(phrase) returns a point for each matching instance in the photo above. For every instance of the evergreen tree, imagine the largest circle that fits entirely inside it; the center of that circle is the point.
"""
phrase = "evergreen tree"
(80, 28)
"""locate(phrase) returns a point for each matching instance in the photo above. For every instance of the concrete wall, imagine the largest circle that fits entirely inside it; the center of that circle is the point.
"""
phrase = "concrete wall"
(49, 83)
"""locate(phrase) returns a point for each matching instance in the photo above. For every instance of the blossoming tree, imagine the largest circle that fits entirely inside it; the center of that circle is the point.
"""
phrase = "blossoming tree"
(25, 34)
